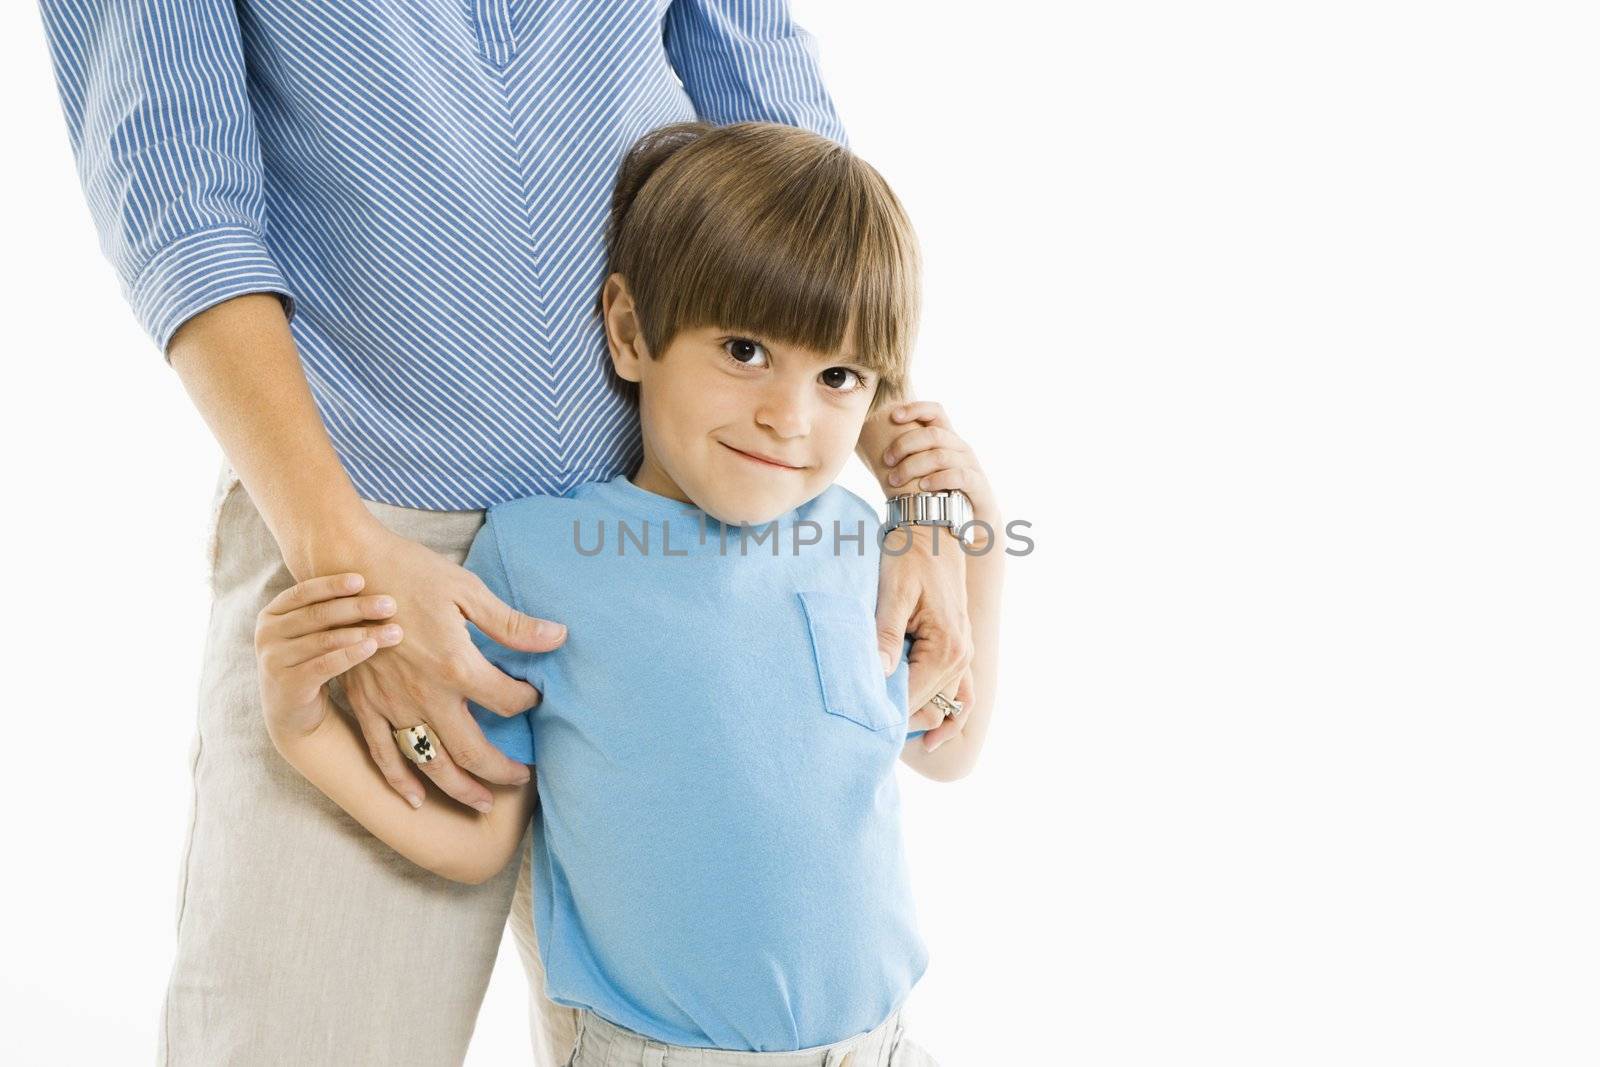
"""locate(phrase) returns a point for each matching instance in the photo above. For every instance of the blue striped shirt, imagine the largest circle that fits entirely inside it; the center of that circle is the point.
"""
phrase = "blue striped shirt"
(424, 183)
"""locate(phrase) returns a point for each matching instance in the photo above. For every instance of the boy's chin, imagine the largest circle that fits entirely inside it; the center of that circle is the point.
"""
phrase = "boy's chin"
(747, 518)
(751, 512)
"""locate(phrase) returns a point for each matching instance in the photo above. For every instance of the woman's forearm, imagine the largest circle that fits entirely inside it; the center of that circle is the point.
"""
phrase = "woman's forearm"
(985, 577)
(239, 364)
(445, 837)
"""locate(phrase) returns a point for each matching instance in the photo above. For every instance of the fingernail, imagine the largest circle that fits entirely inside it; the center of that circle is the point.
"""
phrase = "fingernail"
(414, 801)
(484, 806)
(526, 777)
(883, 657)
(352, 582)
(888, 459)
(385, 603)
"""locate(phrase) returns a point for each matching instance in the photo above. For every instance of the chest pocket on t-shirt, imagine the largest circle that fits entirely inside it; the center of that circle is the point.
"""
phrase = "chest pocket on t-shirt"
(844, 644)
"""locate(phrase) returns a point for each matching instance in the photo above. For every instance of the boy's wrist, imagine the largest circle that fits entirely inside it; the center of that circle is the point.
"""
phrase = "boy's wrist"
(292, 738)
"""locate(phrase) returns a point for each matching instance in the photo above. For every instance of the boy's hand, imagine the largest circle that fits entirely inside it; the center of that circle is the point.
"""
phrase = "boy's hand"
(929, 457)
(310, 633)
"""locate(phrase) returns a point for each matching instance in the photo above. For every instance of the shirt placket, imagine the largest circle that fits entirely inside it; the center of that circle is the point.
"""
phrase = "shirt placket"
(492, 20)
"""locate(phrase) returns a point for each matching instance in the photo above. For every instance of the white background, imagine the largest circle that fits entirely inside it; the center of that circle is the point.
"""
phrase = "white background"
(1278, 322)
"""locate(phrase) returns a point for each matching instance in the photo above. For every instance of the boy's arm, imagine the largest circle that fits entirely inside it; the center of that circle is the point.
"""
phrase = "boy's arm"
(930, 457)
(315, 631)
(446, 838)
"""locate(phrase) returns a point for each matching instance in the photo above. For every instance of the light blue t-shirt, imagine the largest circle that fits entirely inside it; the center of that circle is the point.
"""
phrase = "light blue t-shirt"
(717, 851)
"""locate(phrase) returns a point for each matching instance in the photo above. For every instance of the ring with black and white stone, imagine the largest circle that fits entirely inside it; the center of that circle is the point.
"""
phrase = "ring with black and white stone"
(946, 704)
(416, 743)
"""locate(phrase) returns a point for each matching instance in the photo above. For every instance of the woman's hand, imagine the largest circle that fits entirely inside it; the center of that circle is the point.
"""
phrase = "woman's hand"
(922, 583)
(309, 634)
(430, 677)
(930, 457)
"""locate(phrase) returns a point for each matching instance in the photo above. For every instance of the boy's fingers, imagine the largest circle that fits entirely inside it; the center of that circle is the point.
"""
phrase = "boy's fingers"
(328, 665)
(921, 410)
(312, 590)
(340, 611)
(908, 470)
(915, 441)
(313, 645)
(950, 478)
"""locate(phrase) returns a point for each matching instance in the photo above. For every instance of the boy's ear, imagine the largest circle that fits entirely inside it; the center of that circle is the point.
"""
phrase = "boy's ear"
(623, 336)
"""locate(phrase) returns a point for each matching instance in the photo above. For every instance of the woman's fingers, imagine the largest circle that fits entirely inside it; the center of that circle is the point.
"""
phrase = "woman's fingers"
(930, 715)
(925, 718)
(456, 782)
(953, 725)
(471, 751)
(385, 752)
(946, 657)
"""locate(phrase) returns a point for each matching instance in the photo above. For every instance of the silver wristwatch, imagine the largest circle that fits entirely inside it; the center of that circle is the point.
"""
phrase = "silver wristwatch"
(948, 507)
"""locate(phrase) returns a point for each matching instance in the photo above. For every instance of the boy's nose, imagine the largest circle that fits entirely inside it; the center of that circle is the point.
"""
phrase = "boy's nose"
(785, 414)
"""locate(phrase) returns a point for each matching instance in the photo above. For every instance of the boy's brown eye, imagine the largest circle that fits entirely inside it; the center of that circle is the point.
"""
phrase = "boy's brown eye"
(742, 349)
(843, 379)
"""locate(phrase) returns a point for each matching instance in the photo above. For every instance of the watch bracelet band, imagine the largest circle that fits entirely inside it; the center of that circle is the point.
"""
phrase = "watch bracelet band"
(928, 509)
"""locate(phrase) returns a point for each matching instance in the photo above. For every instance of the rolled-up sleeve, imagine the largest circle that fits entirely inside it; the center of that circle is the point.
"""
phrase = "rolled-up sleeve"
(747, 61)
(166, 150)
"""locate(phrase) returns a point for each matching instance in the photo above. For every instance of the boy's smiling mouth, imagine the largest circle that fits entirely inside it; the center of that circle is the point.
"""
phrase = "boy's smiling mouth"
(763, 460)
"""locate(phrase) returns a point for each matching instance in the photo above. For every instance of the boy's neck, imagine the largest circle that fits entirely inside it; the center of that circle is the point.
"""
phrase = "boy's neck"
(652, 478)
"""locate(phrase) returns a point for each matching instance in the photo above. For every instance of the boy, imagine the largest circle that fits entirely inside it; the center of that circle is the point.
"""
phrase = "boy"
(717, 860)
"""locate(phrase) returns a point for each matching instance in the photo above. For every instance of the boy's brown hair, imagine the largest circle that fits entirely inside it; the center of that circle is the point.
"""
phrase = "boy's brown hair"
(767, 228)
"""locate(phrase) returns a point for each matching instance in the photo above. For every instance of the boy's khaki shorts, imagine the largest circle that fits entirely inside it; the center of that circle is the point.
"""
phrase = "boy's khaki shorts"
(302, 939)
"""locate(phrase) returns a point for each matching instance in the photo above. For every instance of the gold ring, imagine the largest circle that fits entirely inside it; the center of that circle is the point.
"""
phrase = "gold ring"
(416, 744)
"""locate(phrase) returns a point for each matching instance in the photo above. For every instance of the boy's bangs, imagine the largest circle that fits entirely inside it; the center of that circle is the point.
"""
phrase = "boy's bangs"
(802, 272)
